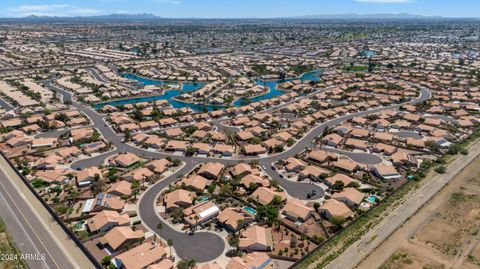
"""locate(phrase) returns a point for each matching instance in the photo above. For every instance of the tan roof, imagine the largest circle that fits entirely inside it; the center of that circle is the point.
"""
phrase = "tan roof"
(249, 261)
(118, 235)
(256, 235)
(122, 187)
(178, 196)
(321, 155)
(336, 208)
(231, 216)
(297, 209)
(88, 174)
(209, 265)
(241, 168)
(351, 194)
(107, 216)
(141, 256)
(163, 264)
(210, 168)
(195, 181)
(339, 177)
(126, 159)
(249, 179)
(265, 195)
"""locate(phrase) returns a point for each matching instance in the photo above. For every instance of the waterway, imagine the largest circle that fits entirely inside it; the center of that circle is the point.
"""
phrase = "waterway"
(187, 87)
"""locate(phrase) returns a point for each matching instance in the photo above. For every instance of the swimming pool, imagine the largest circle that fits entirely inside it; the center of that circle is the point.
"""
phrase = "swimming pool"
(250, 210)
(372, 199)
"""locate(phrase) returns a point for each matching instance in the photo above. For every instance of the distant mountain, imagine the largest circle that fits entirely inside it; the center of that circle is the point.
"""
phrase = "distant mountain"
(143, 16)
(367, 16)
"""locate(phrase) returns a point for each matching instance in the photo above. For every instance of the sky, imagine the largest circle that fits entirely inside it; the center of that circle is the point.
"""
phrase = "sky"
(237, 8)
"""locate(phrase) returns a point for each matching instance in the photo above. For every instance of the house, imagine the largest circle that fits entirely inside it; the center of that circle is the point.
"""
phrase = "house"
(252, 150)
(106, 220)
(294, 165)
(356, 144)
(201, 148)
(46, 142)
(225, 150)
(140, 257)
(104, 202)
(265, 196)
(402, 158)
(56, 176)
(81, 133)
(386, 172)
(48, 163)
(346, 165)
(333, 208)
(175, 145)
(121, 237)
(350, 196)
(330, 181)
(386, 149)
(121, 188)
(240, 170)
(195, 182)
(256, 238)
(313, 173)
(208, 265)
(296, 210)
(158, 166)
(321, 156)
(211, 170)
(126, 159)
(234, 218)
(248, 180)
(138, 174)
(164, 264)
(178, 198)
(201, 213)
(332, 140)
(86, 176)
(254, 260)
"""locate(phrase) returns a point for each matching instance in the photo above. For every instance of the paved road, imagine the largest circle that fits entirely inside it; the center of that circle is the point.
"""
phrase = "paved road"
(24, 223)
(201, 246)
(360, 249)
(182, 242)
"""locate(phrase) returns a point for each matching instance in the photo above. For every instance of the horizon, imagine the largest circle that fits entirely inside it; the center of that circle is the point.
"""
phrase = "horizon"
(246, 9)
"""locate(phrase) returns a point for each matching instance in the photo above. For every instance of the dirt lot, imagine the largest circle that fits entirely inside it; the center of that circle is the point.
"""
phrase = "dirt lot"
(448, 228)
(404, 259)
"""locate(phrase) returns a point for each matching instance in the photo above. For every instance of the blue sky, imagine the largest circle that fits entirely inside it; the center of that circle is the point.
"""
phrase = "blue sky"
(237, 8)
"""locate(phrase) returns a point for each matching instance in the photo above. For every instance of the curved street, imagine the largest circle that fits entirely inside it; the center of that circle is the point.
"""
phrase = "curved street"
(203, 246)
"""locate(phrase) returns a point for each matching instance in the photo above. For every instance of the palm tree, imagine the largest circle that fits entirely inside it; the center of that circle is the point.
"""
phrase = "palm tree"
(191, 263)
(170, 244)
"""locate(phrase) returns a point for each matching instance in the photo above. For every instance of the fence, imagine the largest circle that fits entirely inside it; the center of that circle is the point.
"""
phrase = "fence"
(70, 234)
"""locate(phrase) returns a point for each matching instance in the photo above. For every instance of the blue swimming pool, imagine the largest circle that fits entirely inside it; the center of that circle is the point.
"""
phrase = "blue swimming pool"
(250, 210)
(372, 199)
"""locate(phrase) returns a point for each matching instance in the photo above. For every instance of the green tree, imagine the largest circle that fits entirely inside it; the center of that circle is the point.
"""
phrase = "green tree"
(106, 261)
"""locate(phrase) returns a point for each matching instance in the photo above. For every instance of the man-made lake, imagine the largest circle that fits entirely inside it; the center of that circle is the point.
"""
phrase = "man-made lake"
(272, 85)
(187, 87)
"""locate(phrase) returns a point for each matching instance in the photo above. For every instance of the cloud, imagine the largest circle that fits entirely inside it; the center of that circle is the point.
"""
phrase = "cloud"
(384, 1)
(60, 10)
